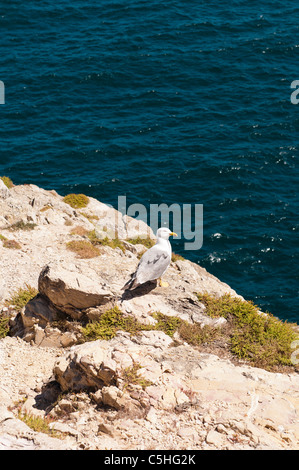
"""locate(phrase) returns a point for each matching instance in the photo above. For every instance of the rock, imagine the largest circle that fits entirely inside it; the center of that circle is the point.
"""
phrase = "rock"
(29, 407)
(2, 289)
(16, 435)
(86, 367)
(106, 429)
(112, 396)
(137, 228)
(152, 415)
(65, 407)
(64, 429)
(5, 414)
(215, 438)
(71, 291)
(156, 339)
(34, 324)
(38, 311)
(52, 337)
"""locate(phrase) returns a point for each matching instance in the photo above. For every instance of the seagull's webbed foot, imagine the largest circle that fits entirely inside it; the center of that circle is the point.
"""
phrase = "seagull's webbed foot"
(163, 283)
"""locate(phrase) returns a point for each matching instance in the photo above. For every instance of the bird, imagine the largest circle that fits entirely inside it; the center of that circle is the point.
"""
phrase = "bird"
(154, 262)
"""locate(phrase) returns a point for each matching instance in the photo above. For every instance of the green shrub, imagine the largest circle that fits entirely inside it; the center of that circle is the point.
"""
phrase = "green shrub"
(147, 242)
(76, 201)
(130, 377)
(110, 322)
(197, 335)
(7, 181)
(39, 424)
(260, 338)
(112, 242)
(20, 298)
(114, 320)
(175, 257)
(168, 324)
(4, 325)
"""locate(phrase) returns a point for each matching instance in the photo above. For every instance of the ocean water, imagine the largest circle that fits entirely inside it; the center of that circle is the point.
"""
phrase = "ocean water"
(166, 102)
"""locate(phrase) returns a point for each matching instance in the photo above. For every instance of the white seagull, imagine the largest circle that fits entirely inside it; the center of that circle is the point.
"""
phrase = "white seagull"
(153, 262)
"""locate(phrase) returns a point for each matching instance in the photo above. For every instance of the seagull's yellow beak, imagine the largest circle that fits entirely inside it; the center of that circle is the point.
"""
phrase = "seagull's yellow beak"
(173, 234)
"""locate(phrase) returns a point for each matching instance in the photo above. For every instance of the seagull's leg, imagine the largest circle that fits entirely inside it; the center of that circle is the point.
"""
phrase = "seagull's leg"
(163, 283)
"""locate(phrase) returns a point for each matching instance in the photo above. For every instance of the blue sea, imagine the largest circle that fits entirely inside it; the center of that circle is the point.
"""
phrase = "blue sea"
(185, 102)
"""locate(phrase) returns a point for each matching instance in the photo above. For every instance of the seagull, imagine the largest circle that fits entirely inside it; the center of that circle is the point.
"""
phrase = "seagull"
(153, 262)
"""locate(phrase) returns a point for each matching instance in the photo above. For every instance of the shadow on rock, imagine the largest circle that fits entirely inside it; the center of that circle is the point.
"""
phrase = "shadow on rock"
(48, 396)
(143, 289)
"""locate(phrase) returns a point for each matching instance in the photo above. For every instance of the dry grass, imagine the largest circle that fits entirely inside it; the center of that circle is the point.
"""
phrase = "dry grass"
(83, 249)
(79, 230)
(11, 244)
(90, 217)
(46, 208)
(175, 257)
(21, 225)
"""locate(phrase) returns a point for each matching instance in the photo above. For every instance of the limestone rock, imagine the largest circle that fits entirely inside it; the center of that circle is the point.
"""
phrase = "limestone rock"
(38, 311)
(215, 438)
(16, 435)
(71, 291)
(86, 367)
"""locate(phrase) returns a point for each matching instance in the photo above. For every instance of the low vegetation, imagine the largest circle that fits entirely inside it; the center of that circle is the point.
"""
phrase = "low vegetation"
(77, 201)
(95, 240)
(79, 230)
(83, 248)
(175, 257)
(131, 377)
(262, 339)
(39, 424)
(22, 296)
(21, 225)
(90, 217)
(11, 244)
(147, 242)
(114, 320)
(4, 325)
(7, 181)
(112, 242)
(110, 322)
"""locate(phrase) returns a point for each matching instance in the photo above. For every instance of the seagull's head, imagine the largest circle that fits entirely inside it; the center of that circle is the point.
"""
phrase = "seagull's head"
(165, 233)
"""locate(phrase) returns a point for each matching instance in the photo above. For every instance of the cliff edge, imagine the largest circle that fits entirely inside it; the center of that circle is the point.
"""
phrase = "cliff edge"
(84, 365)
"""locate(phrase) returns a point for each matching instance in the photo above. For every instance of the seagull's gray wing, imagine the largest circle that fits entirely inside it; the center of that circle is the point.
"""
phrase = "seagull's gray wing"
(152, 265)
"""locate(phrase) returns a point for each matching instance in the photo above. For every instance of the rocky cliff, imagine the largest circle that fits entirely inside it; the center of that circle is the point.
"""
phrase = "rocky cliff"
(87, 366)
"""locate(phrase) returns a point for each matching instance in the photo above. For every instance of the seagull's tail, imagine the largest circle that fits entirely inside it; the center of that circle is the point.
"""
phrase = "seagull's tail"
(131, 284)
